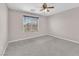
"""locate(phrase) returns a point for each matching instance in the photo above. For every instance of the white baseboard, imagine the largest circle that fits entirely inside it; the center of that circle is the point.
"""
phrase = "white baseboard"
(44, 35)
(64, 38)
(26, 38)
(4, 48)
(18, 40)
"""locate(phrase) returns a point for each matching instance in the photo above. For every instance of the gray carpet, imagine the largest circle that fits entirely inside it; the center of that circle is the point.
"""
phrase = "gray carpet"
(42, 46)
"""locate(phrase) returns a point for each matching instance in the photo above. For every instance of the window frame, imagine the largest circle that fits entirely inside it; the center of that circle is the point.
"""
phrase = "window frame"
(31, 17)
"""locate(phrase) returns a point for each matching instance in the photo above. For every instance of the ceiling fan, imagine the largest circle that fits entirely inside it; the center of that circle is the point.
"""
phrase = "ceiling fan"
(46, 8)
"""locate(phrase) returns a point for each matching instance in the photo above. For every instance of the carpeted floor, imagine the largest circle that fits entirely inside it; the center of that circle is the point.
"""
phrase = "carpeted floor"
(42, 46)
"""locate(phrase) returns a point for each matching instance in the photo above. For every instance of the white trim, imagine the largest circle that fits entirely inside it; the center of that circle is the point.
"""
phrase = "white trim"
(44, 35)
(63, 38)
(74, 41)
(18, 40)
(26, 38)
(4, 49)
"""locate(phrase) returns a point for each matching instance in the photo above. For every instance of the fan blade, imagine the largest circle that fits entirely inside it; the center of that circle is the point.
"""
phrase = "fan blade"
(50, 7)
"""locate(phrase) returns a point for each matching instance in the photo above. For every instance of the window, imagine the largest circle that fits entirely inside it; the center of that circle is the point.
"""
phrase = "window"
(30, 23)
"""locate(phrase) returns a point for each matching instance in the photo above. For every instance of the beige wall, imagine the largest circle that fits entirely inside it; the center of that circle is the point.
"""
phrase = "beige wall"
(65, 24)
(16, 26)
(3, 27)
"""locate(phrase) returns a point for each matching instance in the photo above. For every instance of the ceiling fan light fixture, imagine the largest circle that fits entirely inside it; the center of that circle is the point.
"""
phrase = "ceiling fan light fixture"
(45, 8)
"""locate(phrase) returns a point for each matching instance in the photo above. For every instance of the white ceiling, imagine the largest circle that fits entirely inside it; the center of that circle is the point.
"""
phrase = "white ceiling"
(35, 7)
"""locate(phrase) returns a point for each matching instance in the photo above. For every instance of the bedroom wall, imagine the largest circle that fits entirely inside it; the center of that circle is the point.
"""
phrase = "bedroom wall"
(65, 24)
(16, 26)
(3, 27)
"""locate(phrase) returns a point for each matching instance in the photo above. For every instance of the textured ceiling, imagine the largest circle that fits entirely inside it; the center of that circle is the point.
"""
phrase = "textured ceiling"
(35, 7)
